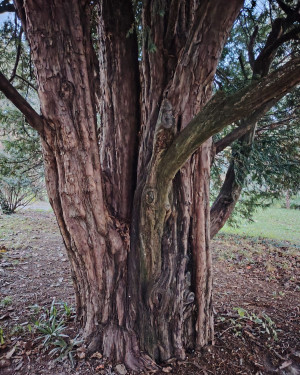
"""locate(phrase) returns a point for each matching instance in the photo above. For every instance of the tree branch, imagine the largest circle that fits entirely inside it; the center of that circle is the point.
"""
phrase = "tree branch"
(33, 118)
(250, 47)
(243, 67)
(19, 49)
(287, 9)
(26, 81)
(244, 127)
(5, 6)
(275, 125)
(222, 111)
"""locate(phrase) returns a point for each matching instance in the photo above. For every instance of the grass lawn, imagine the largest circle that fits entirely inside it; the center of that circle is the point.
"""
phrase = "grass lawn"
(275, 223)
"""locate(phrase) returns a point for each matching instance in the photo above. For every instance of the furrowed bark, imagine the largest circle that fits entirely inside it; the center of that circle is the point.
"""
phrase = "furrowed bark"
(169, 215)
(142, 274)
(72, 163)
(120, 106)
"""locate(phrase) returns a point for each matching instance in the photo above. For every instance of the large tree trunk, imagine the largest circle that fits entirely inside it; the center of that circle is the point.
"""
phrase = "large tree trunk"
(164, 306)
(137, 232)
(171, 229)
(97, 241)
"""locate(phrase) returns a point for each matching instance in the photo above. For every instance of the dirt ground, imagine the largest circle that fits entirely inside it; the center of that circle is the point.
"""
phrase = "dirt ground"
(256, 302)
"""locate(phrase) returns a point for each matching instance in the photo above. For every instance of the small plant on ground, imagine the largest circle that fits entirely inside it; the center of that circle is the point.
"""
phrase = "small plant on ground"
(264, 323)
(65, 349)
(250, 322)
(68, 311)
(2, 341)
(51, 329)
(6, 301)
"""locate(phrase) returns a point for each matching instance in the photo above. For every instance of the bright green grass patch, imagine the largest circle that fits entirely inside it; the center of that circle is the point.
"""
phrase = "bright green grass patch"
(276, 223)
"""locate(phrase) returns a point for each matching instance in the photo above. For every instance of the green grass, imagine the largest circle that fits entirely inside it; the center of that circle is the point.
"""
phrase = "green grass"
(276, 223)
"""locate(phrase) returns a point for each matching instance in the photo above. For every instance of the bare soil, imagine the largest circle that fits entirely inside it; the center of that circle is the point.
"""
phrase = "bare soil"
(256, 301)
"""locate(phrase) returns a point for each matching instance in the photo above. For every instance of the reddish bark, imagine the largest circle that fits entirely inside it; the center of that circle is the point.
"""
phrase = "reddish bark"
(136, 233)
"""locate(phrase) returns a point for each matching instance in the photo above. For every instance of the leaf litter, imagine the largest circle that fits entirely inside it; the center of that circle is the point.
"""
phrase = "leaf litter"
(256, 305)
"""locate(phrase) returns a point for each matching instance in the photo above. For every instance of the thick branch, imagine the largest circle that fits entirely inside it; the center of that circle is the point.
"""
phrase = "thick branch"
(5, 6)
(33, 118)
(224, 204)
(222, 111)
(287, 9)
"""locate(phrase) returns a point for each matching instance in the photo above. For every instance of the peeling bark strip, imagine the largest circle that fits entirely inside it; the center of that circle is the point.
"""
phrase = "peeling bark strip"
(137, 232)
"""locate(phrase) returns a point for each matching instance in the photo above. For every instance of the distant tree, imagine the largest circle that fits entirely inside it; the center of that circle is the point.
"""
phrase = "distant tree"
(131, 193)
(21, 164)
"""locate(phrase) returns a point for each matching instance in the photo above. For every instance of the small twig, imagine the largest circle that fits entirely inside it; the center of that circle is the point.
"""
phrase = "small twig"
(199, 367)
(278, 355)
(19, 49)
(251, 47)
(26, 81)
(243, 67)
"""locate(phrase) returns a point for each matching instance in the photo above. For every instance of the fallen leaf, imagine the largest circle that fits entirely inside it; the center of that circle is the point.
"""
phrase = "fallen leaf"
(81, 352)
(81, 355)
(4, 363)
(121, 369)
(19, 366)
(96, 355)
(10, 353)
(167, 369)
(285, 364)
(5, 316)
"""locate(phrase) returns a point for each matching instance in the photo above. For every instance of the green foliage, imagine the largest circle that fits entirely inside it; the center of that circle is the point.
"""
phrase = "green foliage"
(263, 323)
(250, 323)
(6, 301)
(50, 331)
(16, 192)
(21, 167)
(271, 165)
(63, 349)
(68, 311)
(51, 328)
(275, 223)
(21, 170)
(2, 340)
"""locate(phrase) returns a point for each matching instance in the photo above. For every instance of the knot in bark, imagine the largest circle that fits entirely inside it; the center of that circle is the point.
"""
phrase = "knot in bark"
(66, 90)
(150, 196)
(166, 117)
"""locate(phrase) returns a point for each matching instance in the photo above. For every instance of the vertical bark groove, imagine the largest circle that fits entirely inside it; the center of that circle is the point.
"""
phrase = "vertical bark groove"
(120, 107)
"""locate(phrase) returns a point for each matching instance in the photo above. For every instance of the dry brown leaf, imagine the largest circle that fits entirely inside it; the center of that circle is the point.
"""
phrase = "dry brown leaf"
(96, 355)
(10, 353)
